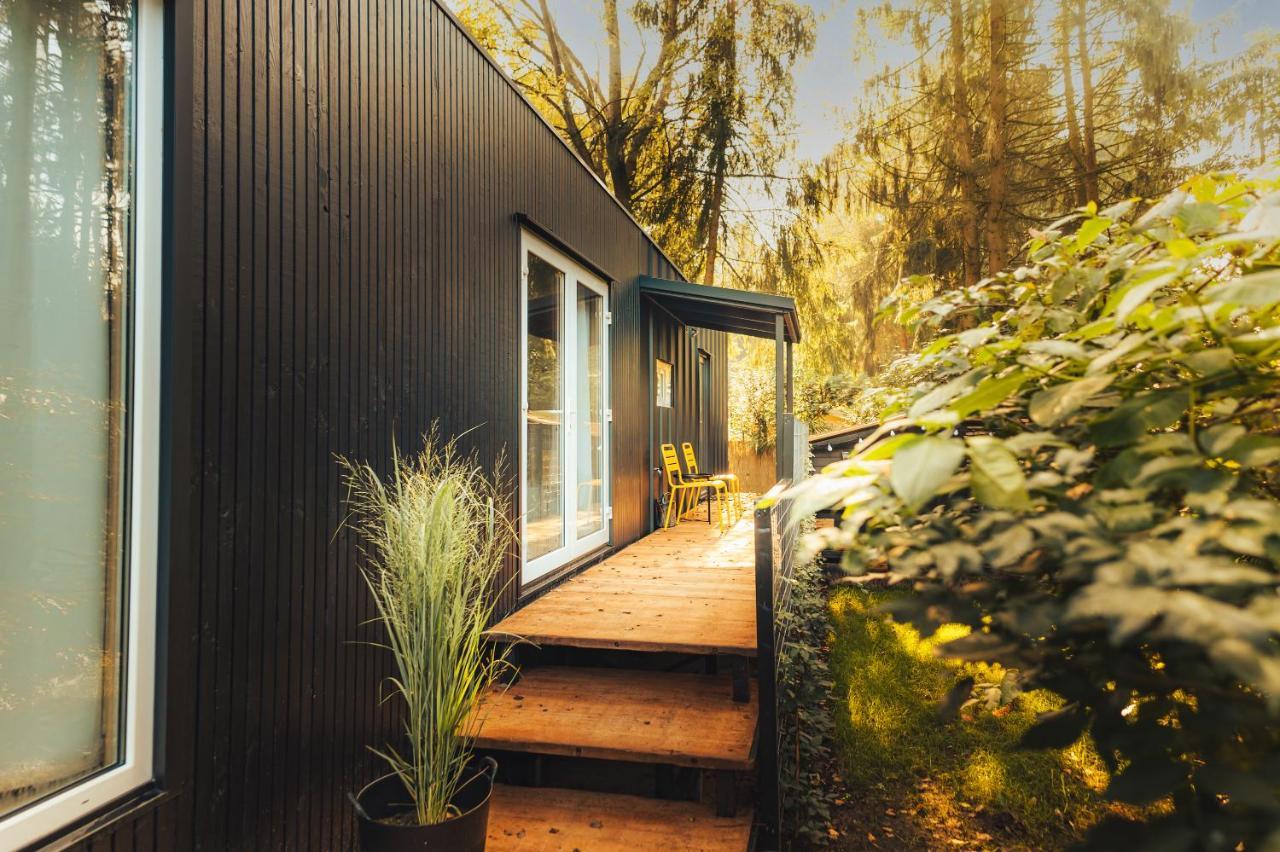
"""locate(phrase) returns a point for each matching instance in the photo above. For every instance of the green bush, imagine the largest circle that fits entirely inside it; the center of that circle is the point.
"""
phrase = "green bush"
(1085, 471)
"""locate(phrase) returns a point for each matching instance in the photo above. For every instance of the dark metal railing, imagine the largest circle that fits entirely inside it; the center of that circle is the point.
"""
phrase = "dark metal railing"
(775, 545)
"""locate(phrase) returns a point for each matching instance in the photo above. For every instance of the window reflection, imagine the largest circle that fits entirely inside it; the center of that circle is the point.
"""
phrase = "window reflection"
(65, 110)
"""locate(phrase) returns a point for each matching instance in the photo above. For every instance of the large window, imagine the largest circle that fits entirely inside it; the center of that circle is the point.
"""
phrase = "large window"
(79, 195)
(564, 451)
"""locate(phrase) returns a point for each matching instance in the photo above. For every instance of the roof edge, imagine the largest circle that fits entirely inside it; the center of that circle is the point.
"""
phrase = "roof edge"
(771, 303)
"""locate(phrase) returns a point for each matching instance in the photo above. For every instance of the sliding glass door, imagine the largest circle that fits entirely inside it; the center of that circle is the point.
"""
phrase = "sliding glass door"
(564, 400)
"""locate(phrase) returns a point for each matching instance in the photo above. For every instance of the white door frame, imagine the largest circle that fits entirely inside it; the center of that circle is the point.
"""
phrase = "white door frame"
(574, 274)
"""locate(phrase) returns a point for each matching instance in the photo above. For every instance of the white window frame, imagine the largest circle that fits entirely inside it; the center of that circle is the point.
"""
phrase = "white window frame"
(533, 570)
(62, 809)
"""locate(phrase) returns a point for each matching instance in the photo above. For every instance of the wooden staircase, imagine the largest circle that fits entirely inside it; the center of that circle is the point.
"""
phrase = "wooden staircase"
(632, 723)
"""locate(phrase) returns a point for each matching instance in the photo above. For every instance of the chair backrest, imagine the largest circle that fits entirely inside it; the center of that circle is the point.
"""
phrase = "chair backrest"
(671, 465)
(690, 460)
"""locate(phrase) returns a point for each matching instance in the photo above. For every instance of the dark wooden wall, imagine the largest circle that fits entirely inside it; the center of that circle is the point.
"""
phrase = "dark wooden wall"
(342, 267)
(678, 344)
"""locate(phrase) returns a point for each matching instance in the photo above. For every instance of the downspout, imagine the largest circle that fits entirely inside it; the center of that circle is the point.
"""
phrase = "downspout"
(648, 453)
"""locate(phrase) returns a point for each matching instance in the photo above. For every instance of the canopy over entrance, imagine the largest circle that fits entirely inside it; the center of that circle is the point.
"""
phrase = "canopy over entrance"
(756, 315)
(723, 309)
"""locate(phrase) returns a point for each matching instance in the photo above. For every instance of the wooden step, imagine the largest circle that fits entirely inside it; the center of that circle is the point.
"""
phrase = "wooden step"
(617, 714)
(547, 819)
(632, 607)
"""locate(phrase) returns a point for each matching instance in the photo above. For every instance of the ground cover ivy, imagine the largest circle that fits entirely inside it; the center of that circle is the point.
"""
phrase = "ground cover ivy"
(806, 726)
(1084, 468)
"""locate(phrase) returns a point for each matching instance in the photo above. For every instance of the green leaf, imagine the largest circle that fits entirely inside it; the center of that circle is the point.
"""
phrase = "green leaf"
(1050, 407)
(1198, 217)
(1218, 440)
(921, 467)
(1242, 789)
(1008, 546)
(1056, 729)
(1257, 290)
(1089, 231)
(989, 393)
(1139, 415)
(1255, 451)
(885, 448)
(1259, 341)
(1138, 294)
(995, 474)
(1207, 362)
(956, 696)
(944, 393)
(1060, 348)
(1147, 781)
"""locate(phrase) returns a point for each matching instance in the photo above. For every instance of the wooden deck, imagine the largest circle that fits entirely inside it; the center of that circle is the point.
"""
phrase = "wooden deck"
(687, 593)
(687, 589)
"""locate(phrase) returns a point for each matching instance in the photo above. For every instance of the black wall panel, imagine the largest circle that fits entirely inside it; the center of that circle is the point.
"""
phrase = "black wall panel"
(343, 260)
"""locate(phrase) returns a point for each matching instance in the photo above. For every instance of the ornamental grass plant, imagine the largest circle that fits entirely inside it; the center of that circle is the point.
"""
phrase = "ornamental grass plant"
(434, 536)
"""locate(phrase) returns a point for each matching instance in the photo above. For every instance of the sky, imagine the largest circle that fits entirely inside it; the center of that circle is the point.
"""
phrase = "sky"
(828, 82)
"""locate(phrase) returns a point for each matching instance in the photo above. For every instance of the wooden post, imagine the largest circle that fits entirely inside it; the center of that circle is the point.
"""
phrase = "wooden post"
(780, 397)
(768, 790)
(792, 473)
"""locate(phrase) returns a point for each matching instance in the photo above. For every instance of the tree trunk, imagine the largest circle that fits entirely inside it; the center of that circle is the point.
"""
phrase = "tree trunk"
(1090, 152)
(1069, 107)
(962, 153)
(715, 203)
(722, 127)
(997, 137)
(615, 134)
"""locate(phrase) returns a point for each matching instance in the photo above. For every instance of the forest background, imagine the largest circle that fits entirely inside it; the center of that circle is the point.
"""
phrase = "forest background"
(833, 150)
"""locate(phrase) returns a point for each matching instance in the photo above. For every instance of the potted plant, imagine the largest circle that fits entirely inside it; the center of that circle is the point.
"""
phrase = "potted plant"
(434, 536)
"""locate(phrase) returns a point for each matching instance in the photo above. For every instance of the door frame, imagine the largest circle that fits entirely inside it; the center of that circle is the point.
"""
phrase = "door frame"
(575, 273)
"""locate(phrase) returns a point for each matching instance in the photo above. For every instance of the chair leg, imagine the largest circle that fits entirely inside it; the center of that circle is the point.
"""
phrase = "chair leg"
(671, 502)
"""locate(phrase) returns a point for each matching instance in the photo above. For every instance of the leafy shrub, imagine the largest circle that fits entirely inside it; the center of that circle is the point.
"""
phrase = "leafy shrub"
(805, 721)
(1089, 478)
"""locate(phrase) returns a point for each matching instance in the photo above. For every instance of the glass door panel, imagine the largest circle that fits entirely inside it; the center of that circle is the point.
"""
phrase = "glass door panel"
(565, 446)
(589, 412)
(544, 428)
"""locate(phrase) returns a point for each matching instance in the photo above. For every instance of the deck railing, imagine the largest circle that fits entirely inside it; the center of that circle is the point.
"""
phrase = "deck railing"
(775, 545)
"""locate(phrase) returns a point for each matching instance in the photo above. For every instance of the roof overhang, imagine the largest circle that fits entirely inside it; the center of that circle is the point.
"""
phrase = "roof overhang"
(724, 309)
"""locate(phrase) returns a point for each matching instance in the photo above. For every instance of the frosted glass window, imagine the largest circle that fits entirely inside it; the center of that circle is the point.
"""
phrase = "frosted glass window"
(65, 300)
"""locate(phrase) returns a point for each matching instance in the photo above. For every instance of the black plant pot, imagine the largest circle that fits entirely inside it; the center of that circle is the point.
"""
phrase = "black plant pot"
(464, 833)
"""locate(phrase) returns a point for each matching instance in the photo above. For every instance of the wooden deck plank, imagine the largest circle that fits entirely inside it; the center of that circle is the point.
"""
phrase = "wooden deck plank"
(616, 714)
(687, 589)
(547, 819)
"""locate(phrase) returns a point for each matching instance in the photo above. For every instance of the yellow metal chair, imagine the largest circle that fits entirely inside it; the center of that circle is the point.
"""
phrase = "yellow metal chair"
(682, 491)
(730, 480)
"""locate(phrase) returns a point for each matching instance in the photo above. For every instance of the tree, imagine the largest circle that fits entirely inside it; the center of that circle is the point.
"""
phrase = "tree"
(675, 137)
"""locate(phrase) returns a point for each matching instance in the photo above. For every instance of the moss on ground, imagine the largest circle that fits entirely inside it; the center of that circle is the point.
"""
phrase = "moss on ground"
(889, 683)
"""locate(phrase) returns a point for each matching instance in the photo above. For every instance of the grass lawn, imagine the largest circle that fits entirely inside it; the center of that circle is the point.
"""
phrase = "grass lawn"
(916, 782)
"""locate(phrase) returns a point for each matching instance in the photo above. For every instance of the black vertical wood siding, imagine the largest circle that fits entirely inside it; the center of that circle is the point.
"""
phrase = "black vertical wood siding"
(342, 269)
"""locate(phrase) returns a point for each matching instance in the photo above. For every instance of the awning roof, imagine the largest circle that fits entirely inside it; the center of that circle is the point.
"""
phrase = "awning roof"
(724, 309)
